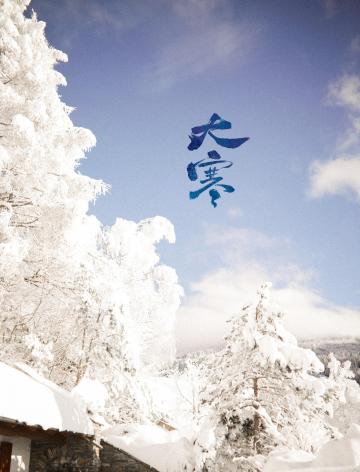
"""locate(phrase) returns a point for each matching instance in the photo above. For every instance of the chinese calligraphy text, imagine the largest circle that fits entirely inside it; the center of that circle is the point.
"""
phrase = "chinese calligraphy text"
(210, 168)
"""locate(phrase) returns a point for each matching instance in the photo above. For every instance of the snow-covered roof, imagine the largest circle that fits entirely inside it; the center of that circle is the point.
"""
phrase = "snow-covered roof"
(27, 397)
(163, 450)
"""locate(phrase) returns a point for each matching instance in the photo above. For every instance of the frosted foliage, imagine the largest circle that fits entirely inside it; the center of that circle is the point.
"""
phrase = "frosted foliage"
(347, 393)
(40, 191)
(77, 299)
(265, 390)
(152, 292)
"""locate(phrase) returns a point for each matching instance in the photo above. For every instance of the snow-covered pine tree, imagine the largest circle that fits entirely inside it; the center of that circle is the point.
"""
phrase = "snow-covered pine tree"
(77, 299)
(346, 393)
(265, 390)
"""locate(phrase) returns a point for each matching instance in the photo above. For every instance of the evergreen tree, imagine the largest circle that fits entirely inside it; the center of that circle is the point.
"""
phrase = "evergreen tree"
(266, 391)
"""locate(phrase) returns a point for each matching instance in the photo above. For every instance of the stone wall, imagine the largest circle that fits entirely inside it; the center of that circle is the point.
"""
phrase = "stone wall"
(80, 454)
(115, 460)
(77, 454)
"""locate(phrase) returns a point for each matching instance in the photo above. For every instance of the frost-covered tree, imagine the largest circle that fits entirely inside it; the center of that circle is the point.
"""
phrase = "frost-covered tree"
(43, 197)
(152, 293)
(346, 393)
(265, 390)
(78, 300)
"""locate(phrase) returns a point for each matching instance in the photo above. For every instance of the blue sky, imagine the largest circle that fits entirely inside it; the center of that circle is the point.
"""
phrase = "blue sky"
(141, 73)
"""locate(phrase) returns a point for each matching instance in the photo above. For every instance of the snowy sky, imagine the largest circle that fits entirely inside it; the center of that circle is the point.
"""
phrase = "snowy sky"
(141, 73)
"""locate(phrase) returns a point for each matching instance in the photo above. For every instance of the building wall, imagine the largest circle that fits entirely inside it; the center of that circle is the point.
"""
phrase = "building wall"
(20, 453)
(78, 454)
(82, 455)
(115, 460)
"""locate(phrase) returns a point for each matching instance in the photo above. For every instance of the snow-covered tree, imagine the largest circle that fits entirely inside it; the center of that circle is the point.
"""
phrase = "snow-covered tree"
(43, 197)
(265, 390)
(78, 300)
(346, 393)
(152, 293)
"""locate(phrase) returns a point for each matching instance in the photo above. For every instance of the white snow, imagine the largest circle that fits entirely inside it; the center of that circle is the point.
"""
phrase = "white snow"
(339, 455)
(341, 452)
(28, 398)
(92, 392)
(23, 127)
(167, 451)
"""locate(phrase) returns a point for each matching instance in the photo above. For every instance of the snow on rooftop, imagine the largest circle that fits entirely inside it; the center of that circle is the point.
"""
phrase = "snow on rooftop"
(27, 397)
(164, 450)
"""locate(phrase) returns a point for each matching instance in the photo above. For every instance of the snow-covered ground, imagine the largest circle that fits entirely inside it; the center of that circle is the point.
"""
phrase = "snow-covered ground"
(340, 455)
(170, 451)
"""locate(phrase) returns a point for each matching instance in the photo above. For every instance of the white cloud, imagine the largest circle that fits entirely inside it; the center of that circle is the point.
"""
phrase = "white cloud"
(120, 16)
(233, 245)
(336, 176)
(221, 294)
(197, 11)
(345, 92)
(196, 35)
(249, 258)
(193, 54)
(341, 174)
(209, 37)
(350, 141)
(237, 243)
(75, 16)
(234, 213)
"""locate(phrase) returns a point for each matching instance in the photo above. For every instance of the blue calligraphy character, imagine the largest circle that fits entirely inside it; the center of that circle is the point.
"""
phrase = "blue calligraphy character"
(210, 171)
(198, 134)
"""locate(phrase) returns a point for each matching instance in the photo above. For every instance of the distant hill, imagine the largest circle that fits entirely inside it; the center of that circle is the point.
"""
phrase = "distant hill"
(343, 348)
